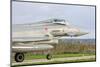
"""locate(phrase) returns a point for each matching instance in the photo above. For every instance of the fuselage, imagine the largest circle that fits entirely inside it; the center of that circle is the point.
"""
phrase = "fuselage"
(44, 31)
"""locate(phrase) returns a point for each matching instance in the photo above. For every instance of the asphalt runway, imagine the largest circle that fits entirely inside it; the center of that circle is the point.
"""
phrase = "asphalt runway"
(34, 61)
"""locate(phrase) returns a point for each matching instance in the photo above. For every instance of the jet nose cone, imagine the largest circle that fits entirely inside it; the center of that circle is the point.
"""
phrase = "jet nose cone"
(82, 33)
(79, 32)
(74, 32)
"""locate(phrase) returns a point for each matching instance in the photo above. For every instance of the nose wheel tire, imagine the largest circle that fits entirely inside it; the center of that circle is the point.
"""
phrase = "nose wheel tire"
(19, 57)
(49, 56)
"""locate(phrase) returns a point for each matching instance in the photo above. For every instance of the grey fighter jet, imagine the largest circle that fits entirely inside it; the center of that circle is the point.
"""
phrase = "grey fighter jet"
(39, 36)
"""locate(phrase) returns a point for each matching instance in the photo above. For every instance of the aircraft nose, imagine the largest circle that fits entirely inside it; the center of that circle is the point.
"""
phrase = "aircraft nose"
(82, 33)
(75, 32)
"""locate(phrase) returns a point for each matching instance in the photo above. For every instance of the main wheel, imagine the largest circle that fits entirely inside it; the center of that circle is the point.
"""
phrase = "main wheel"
(19, 57)
(49, 56)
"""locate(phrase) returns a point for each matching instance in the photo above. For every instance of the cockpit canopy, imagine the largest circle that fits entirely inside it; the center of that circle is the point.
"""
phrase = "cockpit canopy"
(59, 21)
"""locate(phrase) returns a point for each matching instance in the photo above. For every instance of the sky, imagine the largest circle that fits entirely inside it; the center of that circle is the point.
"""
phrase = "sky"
(82, 17)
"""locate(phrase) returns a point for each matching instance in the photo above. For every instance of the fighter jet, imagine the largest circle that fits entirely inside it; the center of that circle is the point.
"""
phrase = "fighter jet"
(39, 36)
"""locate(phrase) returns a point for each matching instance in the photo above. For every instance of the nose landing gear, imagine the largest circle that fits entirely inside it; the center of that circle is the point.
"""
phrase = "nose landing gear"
(49, 56)
(19, 57)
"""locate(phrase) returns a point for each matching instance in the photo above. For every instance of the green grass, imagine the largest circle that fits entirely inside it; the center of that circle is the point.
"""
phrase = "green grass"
(59, 62)
(70, 55)
(68, 61)
(32, 56)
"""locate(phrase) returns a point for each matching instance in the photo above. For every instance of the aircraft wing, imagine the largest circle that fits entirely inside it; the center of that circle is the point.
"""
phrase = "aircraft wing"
(29, 39)
(25, 36)
(30, 47)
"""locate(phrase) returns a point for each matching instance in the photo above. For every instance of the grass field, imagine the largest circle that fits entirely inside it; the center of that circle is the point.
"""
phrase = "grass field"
(67, 61)
(62, 60)
(32, 56)
(57, 59)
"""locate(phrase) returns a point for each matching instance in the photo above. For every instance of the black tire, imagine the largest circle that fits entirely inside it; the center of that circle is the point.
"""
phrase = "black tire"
(49, 56)
(19, 57)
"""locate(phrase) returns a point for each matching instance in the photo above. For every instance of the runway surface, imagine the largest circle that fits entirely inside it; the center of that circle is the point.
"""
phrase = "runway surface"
(34, 61)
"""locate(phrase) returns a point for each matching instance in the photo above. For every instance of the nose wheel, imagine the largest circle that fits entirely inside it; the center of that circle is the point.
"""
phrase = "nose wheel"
(19, 57)
(49, 56)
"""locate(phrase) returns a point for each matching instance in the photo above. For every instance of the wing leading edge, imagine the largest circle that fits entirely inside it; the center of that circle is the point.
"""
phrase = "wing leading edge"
(31, 48)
